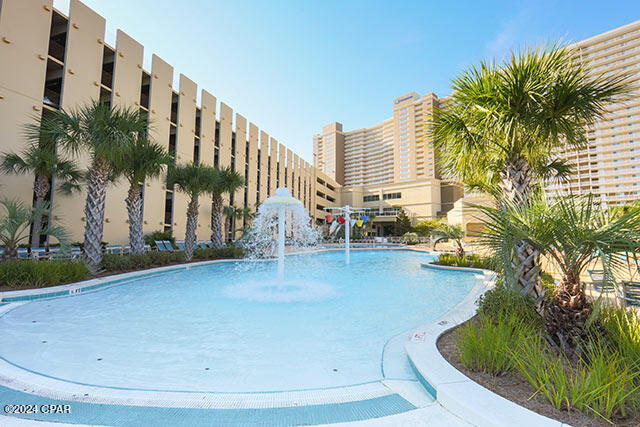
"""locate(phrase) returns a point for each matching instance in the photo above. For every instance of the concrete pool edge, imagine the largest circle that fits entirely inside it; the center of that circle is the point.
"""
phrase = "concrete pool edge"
(453, 390)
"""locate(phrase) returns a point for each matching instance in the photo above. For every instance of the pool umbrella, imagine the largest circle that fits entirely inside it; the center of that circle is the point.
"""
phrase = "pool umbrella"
(341, 219)
(329, 219)
(353, 222)
(334, 225)
(365, 218)
(359, 222)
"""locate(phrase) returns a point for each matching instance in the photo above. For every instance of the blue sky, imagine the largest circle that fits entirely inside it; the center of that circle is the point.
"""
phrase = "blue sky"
(293, 66)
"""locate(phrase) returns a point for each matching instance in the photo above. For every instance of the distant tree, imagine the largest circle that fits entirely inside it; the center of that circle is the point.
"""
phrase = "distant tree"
(193, 180)
(449, 232)
(143, 159)
(15, 224)
(403, 223)
(41, 159)
(426, 226)
(227, 181)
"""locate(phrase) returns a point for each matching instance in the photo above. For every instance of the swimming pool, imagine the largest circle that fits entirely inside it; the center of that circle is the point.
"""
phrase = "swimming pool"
(216, 328)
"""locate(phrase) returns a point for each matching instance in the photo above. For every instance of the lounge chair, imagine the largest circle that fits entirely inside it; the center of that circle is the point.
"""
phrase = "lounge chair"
(39, 253)
(147, 248)
(202, 244)
(210, 244)
(599, 282)
(114, 249)
(180, 244)
(631, 293)
(76, 252)
(23, 253)
(167, 244)
(160, 245)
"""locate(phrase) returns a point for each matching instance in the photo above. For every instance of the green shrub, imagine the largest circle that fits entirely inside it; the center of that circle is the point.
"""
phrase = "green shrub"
(474, 261)
(228, 251)
(623, 330)
(501, 302)
(150, 239)
(484, 344)
(30, 273)
(410, 238)
(545, 372)
(602, 383)
(117, 262)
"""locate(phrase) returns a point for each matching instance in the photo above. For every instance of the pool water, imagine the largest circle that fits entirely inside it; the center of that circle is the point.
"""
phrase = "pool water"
(226, 327)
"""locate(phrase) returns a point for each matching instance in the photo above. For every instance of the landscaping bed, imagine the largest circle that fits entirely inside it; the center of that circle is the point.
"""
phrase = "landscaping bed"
(514, 387)
(503, 349)
(30, 274)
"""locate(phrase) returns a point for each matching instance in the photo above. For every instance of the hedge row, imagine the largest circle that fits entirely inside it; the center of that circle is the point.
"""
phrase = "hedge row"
(117, 262)
(31, 273)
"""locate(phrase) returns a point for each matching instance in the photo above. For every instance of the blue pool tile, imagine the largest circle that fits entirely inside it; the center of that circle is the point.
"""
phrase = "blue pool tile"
(126, 415)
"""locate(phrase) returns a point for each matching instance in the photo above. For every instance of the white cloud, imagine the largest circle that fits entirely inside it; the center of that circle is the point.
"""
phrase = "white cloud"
(509, 35)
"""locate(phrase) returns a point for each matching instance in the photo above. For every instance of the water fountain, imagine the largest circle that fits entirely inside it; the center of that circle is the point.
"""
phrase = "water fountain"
(280, 218)
(280, 204)
(280, 215)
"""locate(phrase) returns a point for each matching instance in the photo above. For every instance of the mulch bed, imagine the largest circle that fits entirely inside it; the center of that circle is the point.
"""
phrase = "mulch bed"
(515, 388)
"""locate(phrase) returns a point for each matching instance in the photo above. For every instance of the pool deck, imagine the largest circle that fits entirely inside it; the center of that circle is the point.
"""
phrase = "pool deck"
(442, 399)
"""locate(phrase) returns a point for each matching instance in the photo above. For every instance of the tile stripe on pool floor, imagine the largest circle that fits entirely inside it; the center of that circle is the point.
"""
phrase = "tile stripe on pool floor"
(125, 415)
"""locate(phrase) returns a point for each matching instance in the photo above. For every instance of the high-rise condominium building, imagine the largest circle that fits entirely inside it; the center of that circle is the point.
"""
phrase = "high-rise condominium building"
(388, 166)
(51, 61)
(392, 151)
(609, 167)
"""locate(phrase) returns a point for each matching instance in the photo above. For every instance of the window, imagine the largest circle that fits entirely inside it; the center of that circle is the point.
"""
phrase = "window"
(371, 198)
(390, 196)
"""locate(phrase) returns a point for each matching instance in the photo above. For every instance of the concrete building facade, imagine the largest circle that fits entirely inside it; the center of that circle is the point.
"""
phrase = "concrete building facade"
(52, 61)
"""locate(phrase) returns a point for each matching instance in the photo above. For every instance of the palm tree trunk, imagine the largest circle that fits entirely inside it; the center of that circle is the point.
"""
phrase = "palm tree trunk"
(10, 252)
(526, 267)
(516, 180)
(40, 188)
(192, 226)
(134, 210)
(94, 214)
(567, 315)
(216, 221)
(459, 249)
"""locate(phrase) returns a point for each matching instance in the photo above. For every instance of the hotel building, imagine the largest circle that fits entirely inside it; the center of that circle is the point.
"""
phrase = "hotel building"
(51, 61)
(609, 167)
(389, 166)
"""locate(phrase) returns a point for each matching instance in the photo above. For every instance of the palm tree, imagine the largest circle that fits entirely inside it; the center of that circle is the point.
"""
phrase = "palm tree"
(573, 232)
(500, 128)
(15, 225)
(104, 132)
(445, 231)
(143, 160)
(41, 159)
(194, 180)
(227, 181)
(231, 212)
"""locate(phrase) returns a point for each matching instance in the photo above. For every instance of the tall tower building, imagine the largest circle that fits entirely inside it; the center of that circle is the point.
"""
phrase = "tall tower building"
(609, 167)
(389, 166)
(392, 151)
